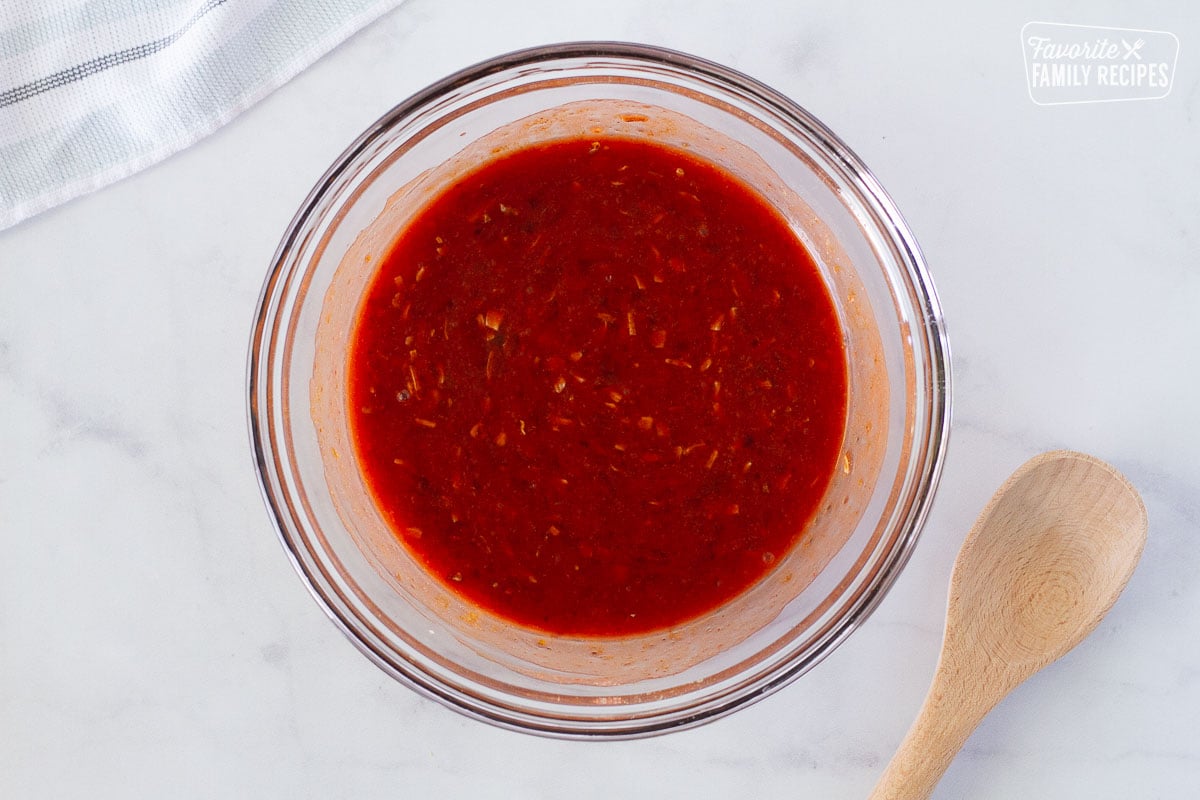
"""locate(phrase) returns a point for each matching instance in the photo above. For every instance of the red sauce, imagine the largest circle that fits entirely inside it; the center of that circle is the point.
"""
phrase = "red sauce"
(598, 388)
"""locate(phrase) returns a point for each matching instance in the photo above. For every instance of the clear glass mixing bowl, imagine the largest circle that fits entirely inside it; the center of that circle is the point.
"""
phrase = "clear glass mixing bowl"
(420, 633)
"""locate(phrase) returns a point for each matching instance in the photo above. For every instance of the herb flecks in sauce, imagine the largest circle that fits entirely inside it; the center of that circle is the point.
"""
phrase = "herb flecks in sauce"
(598, 387)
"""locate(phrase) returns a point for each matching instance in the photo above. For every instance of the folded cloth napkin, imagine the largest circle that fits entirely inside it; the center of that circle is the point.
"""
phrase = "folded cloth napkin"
(93, 90)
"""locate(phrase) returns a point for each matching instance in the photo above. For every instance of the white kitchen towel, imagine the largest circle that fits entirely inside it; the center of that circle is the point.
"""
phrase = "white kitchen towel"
(93, 90)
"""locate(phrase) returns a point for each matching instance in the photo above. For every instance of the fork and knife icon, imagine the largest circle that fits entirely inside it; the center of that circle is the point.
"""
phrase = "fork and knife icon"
(1132, 49)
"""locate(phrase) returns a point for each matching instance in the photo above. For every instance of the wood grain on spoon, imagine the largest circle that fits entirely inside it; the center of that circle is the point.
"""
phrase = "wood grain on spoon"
(1042, 565)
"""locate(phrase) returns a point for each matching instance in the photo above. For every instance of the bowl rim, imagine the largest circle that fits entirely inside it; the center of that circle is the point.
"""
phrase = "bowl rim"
(936, 411)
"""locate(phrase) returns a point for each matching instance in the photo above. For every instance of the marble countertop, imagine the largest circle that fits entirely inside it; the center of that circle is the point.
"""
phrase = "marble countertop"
(155, 641)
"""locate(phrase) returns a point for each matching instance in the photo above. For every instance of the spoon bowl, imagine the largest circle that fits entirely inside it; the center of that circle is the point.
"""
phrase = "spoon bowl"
(1042, 565)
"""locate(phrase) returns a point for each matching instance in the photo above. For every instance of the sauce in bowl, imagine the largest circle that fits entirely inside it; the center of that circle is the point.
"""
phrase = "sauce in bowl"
(597, 387)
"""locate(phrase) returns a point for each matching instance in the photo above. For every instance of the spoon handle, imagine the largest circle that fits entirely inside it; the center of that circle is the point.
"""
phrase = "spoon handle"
(950, 713)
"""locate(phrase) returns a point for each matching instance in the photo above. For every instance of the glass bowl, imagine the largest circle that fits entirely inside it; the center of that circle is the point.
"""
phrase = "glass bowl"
(587, 687)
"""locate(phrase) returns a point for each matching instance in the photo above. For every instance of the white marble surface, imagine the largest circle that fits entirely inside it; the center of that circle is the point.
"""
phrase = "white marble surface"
(155, 642)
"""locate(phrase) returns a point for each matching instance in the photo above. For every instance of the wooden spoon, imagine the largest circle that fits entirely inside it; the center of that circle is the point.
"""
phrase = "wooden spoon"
(1043, 564)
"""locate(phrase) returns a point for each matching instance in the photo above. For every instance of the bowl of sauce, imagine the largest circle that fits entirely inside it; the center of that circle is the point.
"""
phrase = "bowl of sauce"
(598, 390)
